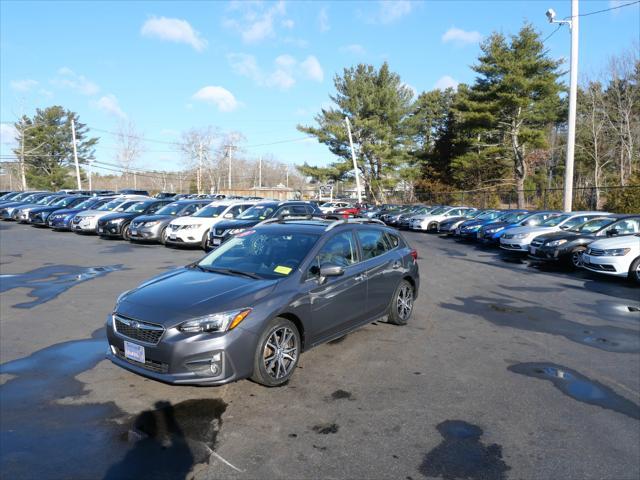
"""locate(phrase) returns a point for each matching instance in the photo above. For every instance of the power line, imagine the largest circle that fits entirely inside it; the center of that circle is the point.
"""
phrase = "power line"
(605, 10)
(552, 33)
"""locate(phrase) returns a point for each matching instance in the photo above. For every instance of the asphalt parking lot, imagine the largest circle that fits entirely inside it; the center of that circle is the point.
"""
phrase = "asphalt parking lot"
(506, 371)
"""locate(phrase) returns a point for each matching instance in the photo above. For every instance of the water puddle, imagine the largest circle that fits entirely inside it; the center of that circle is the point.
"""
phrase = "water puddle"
(579, 387)
(46, 283)
(461, 454)
(544, 320)
(41, 438)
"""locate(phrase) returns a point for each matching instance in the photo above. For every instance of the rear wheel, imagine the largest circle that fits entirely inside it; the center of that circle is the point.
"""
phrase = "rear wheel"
(634, 271)
(402, 304)
(125, 232)
(277, 353)
(163, 235)
(575, 257)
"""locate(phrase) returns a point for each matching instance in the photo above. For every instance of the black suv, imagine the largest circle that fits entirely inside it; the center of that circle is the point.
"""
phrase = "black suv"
(117, 224)
(259, 213)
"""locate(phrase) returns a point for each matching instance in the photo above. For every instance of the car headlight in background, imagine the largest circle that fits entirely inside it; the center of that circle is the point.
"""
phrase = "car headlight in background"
(520, 236)
(192, 226)
(616, 252)
(556, 243)
(494, 230)
(216, 322)
(88, 217)
(236, 231)
(150, 224)
(117, 220)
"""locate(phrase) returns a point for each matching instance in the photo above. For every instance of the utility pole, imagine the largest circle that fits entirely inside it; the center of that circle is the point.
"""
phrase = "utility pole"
(23, 176)
(260, 172)
(287, 172)
(199, 182)
(229, 149)
(89, 174)
(75, 153)
(353, 157)
(573, 94)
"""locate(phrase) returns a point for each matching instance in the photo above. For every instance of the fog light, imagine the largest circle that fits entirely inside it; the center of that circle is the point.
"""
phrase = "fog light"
(216, 364)
(113, 349)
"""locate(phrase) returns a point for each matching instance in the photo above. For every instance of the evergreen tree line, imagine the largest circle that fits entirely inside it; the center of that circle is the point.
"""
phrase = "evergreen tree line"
(506, 131)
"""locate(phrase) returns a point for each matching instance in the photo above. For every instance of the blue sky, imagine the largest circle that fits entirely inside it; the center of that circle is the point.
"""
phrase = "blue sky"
(258, 68)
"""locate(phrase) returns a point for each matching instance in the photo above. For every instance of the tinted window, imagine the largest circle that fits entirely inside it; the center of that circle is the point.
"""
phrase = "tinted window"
(574, 222)
(392, 240)
(373, 242)
(211, 211)
(627, 226)
(339, 250)
(257, 212)
(592, 225)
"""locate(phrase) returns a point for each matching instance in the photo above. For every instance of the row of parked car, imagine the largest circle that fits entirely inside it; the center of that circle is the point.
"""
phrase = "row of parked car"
(601, 242)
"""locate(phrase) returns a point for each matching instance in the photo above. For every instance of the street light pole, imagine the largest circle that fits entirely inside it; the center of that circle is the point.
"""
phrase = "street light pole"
(353, 157)
(573, 96)
(75, 152)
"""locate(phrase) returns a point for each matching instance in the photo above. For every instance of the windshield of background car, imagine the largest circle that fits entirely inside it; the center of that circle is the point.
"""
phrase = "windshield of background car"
(266, 254)
(210, 211)
(87, 203)
(124, 206)
(45, 200)
(172, 209)
(487, 216)
(592, 225)
(554, 221)
(257, 212)
(438, 211)
(64, 202)
(511, 217)
(109, 206)
(627, 226)
(137, 207)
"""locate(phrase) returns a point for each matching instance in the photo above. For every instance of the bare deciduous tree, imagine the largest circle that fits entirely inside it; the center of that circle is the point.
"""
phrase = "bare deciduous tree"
(130, 148)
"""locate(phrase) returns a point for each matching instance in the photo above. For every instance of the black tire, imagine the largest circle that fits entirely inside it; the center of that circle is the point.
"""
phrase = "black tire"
(634, 271)
(163, 235)
(125, 232)
(574, 259)
(432, 227)
(261, 373)
(401, 301)
(205, 241)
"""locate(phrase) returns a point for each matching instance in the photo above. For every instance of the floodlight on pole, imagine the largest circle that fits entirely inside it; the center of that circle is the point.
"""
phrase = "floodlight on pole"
(573, 23)
(353, 157)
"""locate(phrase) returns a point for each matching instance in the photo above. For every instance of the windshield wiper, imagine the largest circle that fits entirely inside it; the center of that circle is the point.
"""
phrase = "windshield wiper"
(230, 271)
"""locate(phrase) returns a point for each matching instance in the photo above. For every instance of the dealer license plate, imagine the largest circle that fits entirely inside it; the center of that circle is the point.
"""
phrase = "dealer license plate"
(134, 352)
(533, 250)
(216, 241)
(172, 236)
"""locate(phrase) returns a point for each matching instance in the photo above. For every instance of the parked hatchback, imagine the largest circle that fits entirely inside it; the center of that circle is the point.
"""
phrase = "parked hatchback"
(252, 306)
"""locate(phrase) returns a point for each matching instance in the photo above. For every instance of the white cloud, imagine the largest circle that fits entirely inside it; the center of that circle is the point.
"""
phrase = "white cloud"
(109, 104)
(390, 11)
(67, 78)
(257, 20)
(461, 37)
(354, 48)
(23, 85)
(284, 74)
(312, 69)
(323, 20)
(8, 134)
(218, 96)
(446, 82)
(173, 30)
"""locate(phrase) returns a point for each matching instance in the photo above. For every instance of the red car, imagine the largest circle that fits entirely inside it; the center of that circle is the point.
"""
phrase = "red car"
(350, 212)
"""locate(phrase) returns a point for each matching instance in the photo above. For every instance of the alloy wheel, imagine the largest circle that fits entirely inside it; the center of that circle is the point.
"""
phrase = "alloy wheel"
(280, 352)
(404, 302)
(576, 259)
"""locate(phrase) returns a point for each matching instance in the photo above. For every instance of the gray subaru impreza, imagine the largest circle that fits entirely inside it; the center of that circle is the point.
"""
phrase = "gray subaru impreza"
(252, 306)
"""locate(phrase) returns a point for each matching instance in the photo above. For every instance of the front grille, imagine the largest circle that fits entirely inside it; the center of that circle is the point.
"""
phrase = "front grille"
(595, 252)
(513, 246)
(507, 236)
(141, 331)
(149, 364)
(536, 243)
(76, 220)
(220, 231)
(174, 227)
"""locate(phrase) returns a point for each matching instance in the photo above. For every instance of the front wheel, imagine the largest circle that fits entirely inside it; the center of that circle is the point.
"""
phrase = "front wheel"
(575, 257)
(634, 271)
(163, 235)
(402, 304)
(277, 353)
(205, 241)
(125, 232)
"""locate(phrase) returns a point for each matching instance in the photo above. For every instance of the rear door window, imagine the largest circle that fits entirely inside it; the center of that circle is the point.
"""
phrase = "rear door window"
(339, 250)
(373, 242)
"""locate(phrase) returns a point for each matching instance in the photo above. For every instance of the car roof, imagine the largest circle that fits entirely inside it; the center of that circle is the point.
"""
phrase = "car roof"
(321, 225)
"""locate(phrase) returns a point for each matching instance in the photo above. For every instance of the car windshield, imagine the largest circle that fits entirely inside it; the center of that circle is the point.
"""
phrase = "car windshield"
(172, 209)
(262, 254)
(510, 217)
(535, 217)
(87, 203)
(592, 225)
(554, 221)
(210, 211)
(137, 207)
(123, 207)
(62, 201)
(438, 210)
(109, 206)
(45, 200)
(257, 212)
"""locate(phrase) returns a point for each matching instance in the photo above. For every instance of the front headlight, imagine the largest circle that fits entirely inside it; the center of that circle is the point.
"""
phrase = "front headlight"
(45, 215)
(117, 220)
(192, 226)
(616, 252)
(520, 235)
(151, 224)
(556, 243)
(216, 322)
(236, 231)
(474, 227)
(88, 217)
(494, 230)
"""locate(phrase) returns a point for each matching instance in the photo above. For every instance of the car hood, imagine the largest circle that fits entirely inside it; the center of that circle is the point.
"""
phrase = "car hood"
(532, 230)
(114, 216)
(68, 211)
(151, 218)
(186, 293)
(624, 241)
(496, 225)
(231, 224)
(195, 220)
(95, 213)
(40, 208)
(562, 235)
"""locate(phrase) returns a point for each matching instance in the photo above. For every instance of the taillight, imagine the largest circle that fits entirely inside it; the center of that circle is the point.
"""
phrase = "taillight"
(414, 254)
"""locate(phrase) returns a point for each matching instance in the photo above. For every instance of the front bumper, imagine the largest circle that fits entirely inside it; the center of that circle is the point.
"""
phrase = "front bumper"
(112, 230)
(190, 237)
(185, 359)
(84, 225)
(616, 266)
(145, 234)
(515, 244)
(59, 223)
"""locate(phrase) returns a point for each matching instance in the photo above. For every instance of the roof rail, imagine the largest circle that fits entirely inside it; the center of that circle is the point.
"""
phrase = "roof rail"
(354, 220)
(289, 216)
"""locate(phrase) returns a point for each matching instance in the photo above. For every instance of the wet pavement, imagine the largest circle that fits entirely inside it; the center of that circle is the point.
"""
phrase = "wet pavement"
(507, 370)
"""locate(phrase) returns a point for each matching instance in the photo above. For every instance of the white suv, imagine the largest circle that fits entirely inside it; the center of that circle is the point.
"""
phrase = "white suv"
(194, 230)
(431, 220)
(618, 256)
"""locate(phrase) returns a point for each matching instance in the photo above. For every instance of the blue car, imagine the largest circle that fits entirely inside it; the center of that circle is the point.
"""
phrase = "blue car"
(38, 216)
(7, 209)
(490, 234)
(61, 219)
(469, 229)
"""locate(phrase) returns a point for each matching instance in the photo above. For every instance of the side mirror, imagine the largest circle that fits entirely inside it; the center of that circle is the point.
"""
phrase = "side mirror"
(612, 232)
(329, 270)
(228, 215)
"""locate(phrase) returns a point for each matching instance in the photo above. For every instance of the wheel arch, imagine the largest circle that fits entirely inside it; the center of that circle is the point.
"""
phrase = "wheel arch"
(298, 323)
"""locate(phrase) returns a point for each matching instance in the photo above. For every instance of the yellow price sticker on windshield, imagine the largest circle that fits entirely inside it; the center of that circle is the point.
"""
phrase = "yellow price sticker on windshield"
(282, 270)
